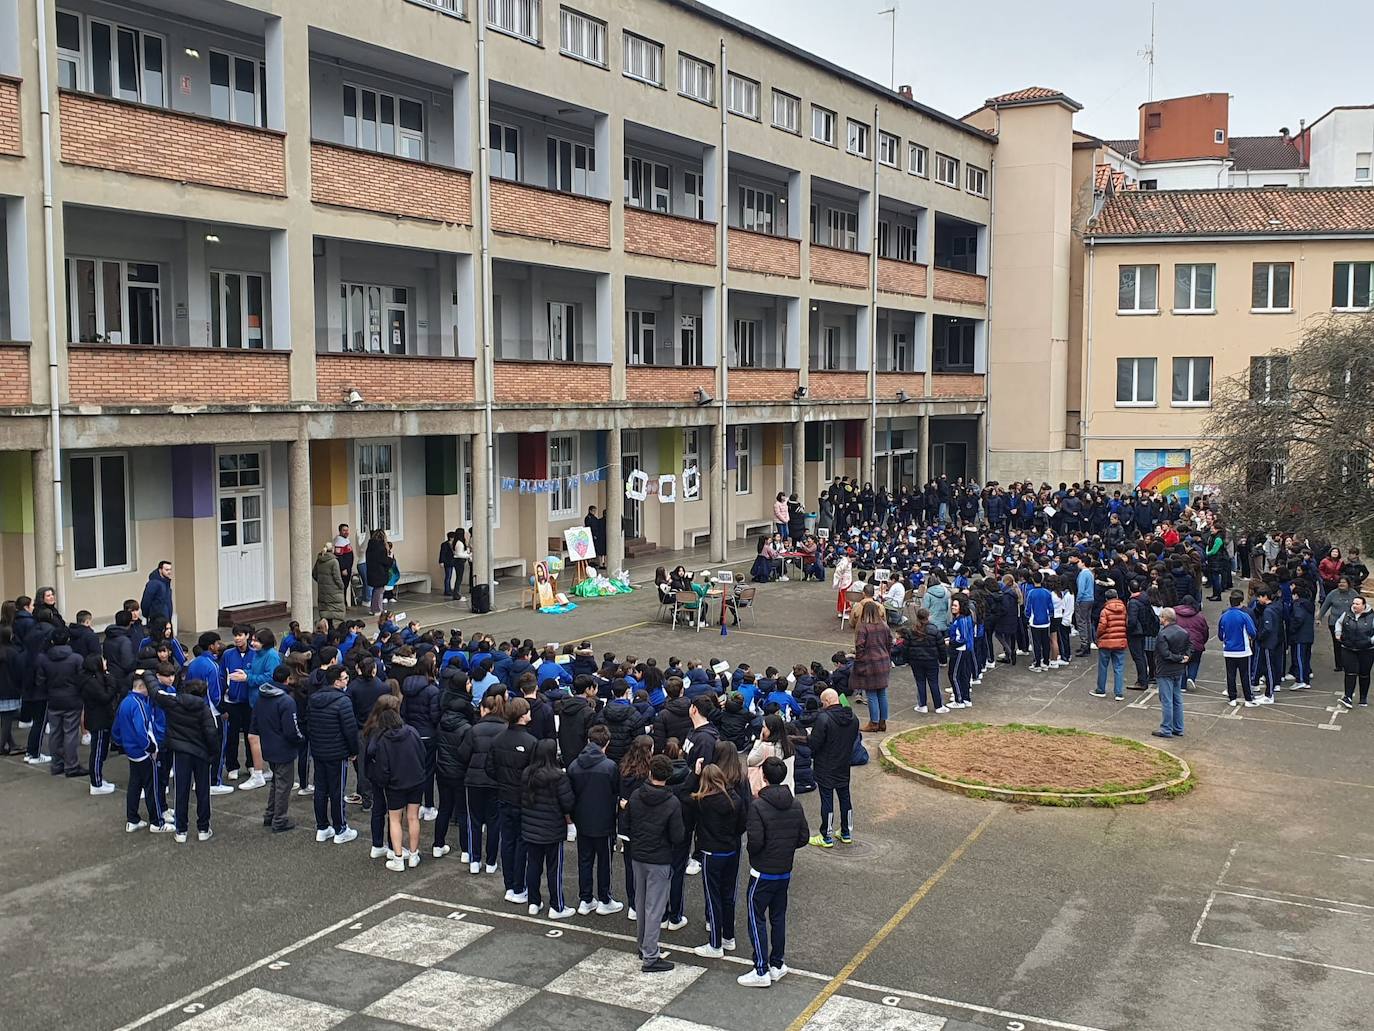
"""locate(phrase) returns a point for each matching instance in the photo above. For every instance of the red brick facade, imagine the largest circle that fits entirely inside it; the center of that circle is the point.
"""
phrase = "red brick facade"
(644, 383)
(838, 267)
(890, 382)
(552, 382)
(759, 252)
(120, 374)
(353, 178)
(762, 384)
(836, 386)
(11, 141)
(14, 375)
(393, 378)
(951, 385)
(549, 215)
(124, 137)
(901, 277)
(960, 286)
(669, 236)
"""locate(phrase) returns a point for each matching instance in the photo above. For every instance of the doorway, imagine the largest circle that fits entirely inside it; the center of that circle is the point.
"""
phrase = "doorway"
(242, 511)
(633, 521)
(949, 460)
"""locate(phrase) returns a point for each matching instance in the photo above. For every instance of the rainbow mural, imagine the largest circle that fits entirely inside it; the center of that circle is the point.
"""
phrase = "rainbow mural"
(1169, 473)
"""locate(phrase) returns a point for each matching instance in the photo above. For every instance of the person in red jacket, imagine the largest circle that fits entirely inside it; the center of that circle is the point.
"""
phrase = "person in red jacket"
(1329, 570)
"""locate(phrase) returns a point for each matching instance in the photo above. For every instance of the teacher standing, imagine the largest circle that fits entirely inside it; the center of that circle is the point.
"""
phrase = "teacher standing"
(872, 662)
(597, 524)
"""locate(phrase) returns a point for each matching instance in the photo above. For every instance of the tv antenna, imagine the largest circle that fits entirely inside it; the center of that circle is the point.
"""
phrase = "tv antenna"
(1149, 54)
(892, 71)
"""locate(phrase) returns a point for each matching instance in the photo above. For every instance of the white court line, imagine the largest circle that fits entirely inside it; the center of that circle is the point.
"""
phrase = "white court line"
(1313, 852)
(1195, 938)
(1293, 895)
(1287, 902)
(1226, 866)
(1005, 1014)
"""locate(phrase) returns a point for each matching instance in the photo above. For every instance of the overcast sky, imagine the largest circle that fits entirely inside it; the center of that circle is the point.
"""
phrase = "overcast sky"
(1279, 62)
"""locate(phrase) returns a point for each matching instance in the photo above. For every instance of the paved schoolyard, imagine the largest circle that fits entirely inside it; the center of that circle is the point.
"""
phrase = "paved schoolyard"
(1247, 904)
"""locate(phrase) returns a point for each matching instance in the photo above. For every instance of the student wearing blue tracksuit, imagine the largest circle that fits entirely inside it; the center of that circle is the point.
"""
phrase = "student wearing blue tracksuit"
(235, 661)
(718, 812)
(1302, 627)
(206, 666)
(1039, 613)
(1237, 633)
(961, 653)
(776, 827)
(1269, 655)
(134, 732)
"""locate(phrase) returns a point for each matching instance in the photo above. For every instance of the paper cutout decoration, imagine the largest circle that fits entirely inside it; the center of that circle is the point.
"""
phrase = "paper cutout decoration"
(667, 488)
(581, 544)
(691, 484)
(637, 485)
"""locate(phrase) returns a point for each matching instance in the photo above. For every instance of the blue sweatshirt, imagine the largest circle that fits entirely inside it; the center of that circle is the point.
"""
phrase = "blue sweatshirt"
(961, 633)
(133, 726)
(233, 660)
(786, 703)
(1039, 607)
(1235, 631)
(205, 667)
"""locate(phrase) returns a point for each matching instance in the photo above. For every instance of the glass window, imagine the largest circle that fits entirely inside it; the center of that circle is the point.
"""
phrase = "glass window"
(643, 59)
(1137, 288)
(563, 331)
(102, 58)
(946, 170)
(1193, 288)
(518, 17)
(757, 210)
(647, 185)
(505, 151)
(916, 159)
(154, 91)
(889, 147)
(370, 121)
(571, 166)
(695, 78)
(1269, 376)
(378, 489)
(1362, 166)
(563, 471)
(581, 36)
(219, 92)
(746, 339)
(844, 226)
(689, 340)
(975, 180)
(1271, 286)
(744, 97)
(955, 345)
(641, 336)
(857, 139)
(69, 64)
(743, 473)
(822, 125)
(100, 512)
(1350, 284)
(1192, 381)
(786, 111)
(694, 189)
(126, 55)
(1135, 381)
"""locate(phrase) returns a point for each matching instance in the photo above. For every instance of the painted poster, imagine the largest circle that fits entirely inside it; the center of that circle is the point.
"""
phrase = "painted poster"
(1168, 472)
(581, 545)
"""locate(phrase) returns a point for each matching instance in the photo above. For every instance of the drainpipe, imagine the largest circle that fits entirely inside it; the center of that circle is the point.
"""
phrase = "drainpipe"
(987, 322)
(723, 307)
(1085, 416)
(50, 291)
(488, 344)
(870, 472)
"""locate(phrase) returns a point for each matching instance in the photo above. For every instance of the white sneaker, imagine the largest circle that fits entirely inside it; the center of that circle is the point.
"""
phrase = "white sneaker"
(1265, 699)
(86, 738)
(519, 898)
(1094, 646)
(168, 816)
(776, 974)
(428, 813)
(783, 579)
(693, 868)
(674, 925)
(205, 835)
(941, 710)
(491, 868)
(1192, 684)
(728, 944)
(754, 979)
(348, 835)
(442, 850)
(586, 908)
(180, 839)
(976, 681)
(378, 851)
(474, 867)
(233, 774)
(609, 908)
(396, 863)
(708, 952)
(309, 789)
(325, 834)
(561, 914)
(37, 760)
(162, 828)
(1301, 687)
(266, 775)
(1251, 705)
(923, 710)
(104, 789)
(414, 856)
(533, 910)
(463, 857)
(630, 915)
(253, 782)
(221, 789)
(130, 828)
(1233, 702)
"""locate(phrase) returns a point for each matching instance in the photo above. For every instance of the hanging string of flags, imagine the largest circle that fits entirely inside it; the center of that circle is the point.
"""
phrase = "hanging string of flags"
(551, 485)
(638, 485)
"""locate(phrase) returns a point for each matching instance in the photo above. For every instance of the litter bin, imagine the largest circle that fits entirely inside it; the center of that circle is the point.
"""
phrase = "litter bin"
(481, 598)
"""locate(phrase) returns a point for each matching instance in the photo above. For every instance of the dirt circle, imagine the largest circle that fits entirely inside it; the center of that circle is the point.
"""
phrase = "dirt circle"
(1018, 762)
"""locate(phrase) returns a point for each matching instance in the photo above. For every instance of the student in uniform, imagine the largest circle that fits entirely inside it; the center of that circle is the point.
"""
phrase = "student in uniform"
(506, 760)
(274, 724)
(1236, 631)
(455, 710)
(478, 785)
(655, 829)
(718, 814)
(98, 695)
(396, 766)
(546, 805)
(634, 774)
(133, 732)
(596, 791)
(333, 742)
(777, 828)
(193, 738)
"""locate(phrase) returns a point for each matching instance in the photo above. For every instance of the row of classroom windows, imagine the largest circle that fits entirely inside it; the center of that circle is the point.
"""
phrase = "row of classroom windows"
(1191, 381)
(1271, 287)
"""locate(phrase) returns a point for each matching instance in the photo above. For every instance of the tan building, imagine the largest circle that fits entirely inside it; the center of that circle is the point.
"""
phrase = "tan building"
(263, 294)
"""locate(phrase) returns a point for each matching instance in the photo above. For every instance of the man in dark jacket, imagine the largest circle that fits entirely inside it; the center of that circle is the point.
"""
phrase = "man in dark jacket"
(655, 829)
(621, 718)
(478, 787)
(1172, 649)
(596, 788)
(832, 746)
(157, 593)
(193, 737)
(675, 718)
(776, 828)
(1140, 624)
(507, 758)
(575, 715)
(84, 639)
(279, 738)
(333, 743)
(541, 726)
(57, 680)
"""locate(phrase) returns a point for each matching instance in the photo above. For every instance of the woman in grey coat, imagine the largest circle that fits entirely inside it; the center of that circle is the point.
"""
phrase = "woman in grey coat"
(1335, 605)
(329, 584)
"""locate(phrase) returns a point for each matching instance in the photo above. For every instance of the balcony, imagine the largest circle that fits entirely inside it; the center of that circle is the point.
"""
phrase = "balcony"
(387, 379)
(555, 383)
(762, 384)
(128, 374)
(962, 385)
(10, 138)
(839, 267)
(674, 385)
(123, 136)
(675, 237)
(15, 387)
(837, 386)
(962, 287)
(765, 254)
(348, 177)
(900, 277)
(544, 214)
(913, 383)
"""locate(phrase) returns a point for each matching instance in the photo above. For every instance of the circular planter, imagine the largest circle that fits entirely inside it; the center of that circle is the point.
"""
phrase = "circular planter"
(1042, 765)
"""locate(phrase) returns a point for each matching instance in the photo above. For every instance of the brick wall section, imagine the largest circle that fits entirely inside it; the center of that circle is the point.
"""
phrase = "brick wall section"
(14, 375)
(835, 386)
(676, 385)
(393, 378)
(838, 267)
(549, 215)
(667, 236)
(890, 382)
(111, 374)
(951, 385)
(762, 384)
(124, 137)
(354, 178)
(960, 286)
(771, 255)
(10, 140)
(552, 382)
(901, 277)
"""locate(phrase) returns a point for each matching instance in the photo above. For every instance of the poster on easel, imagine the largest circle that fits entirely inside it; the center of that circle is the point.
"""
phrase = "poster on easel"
(581, 544)
(637, 485)
(667, 489)
(691, 483)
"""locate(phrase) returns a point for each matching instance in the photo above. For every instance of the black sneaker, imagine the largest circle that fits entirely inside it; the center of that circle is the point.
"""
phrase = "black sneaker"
(289, 825)
(267, 821)
(658, 966)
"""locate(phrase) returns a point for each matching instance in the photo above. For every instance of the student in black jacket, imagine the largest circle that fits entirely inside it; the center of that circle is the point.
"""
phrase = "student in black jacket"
(621, 718)
(57, 673)
(777, 829)
(675, 718)
(477, 785)
(546, 802)
(655, 829)
(718, 813)
(274, 724)
(634, 774)
(596, 789)
(120, 649)
(541, 725)
(506, 761)
(420, 709)
(11, 690)
(454, 730)
(333, 742)
(193, 738)
(98, 697)
(395, 762)
(575, 715)
(364, 688)
(924, 648)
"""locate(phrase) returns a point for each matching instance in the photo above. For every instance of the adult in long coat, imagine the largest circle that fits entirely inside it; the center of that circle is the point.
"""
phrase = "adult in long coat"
(329, 585)
(872, 662)
(378, 567)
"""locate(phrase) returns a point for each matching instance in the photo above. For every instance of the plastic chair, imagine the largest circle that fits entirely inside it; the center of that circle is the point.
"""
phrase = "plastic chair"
(687, 602)
(745, 601)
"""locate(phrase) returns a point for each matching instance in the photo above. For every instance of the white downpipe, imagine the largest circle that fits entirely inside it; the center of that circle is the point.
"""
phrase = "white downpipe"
(488, 344)
(723, 307)
(870, 471)
(1085, 416)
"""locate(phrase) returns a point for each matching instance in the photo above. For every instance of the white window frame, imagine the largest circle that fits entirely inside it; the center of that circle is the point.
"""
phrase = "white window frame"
(696, 79)
(566, 151)
(901, 350)
(98, 298)
(1192, 307)
(641, 336)
(563, 463)
(234, 114)
(828, 451)
(832, 343)
(454, 7)
(85, 77)
(381, 299)
(694, 192)
(363, 523)
(1364, 160)
(689, 342)
(1139, 271)
(575, 30)
(904, 248)
(758, 210)
(691, 449)
(508, 134)
(842, 229)
(746, 332)
(789, 108)
(572, 330)
(1135, 401)
(742, 96)
(856, 138)
(97, 479)
(975, 180)
(400, 137)
(639, 51)
(1191, 401)
(75, 59)
(827, 121)
(889, 146)
(519, 18)
(1271, 277)
(642, 188)
(245, 326)
(1271, 363)
(947, 170)
(940, 356)
(918, 160)
(744, 475)
(1350, 267)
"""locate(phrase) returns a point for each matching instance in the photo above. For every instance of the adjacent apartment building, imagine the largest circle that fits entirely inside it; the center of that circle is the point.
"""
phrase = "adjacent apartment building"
(255, 308)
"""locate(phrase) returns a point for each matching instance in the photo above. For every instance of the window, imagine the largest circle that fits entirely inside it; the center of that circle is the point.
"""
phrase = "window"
(976, 180)
(1268, 469)
(1269, 376)
(1362, 165)
(504, 141)
(451, 6)
(694, 192)
(1137, 289)
(1350, 283)
(1135, 381)
(238, 89)
(946, 170)
(916, 160)
(830, 348)
(822, 125)
(889, 147)
(1149, 184)
(114, 302)
(954, 348)
(99, 488)
(69, 65)
(744, 97)
(828, 450)
(581, 37)
(383, 122)
(571, 166)
(563, 331)
(518, 17)
(236, 310)
(857, 138)
(563, 471)
(647, 184)
(640, 333)
(1271, 286)
(691, 449)
(689, 340)
(1193, 286)
(376, 319)
(757, 209)
(786, 111)
(747, 333)
(899, 245)
(897, 360)
(843, 226)
(1218, 136)
(112, 60)
(743, 480)
(1192, 382)
(643, 59)
(379, 489)
(695, 79)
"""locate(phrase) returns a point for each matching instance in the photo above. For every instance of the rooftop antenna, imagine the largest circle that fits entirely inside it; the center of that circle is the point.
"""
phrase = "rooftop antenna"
(1149, 54)
(892, 72)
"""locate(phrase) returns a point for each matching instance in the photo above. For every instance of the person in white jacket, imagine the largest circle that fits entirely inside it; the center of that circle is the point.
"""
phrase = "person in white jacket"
(773, 741)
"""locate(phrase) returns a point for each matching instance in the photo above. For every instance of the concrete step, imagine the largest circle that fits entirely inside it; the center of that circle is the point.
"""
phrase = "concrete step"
(255, 613)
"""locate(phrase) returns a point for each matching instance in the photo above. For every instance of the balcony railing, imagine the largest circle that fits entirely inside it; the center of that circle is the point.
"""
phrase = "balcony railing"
(669, 236)
(824, 385)
(769, 255)
(673, 384)
(957, 384)
(353, 178)
(964, 287)
(549, 214)
(11, 141)
(762, 384)
(901, 277)
(389, 378)
(543, 382)
(838, 267)
(15, 387)
(124, 374)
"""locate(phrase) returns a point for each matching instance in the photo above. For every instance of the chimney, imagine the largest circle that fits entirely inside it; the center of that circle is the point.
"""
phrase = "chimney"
(905, 92)
(1284, 133)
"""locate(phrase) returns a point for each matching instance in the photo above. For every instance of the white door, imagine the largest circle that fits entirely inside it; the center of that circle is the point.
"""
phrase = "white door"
(242, 512)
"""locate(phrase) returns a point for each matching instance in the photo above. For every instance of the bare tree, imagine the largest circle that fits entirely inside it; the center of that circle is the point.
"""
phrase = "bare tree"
(1291, 443)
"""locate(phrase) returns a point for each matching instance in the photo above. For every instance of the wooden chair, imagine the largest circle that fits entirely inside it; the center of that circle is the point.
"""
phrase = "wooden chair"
(850, 597)
(744, 601)
(688, 603)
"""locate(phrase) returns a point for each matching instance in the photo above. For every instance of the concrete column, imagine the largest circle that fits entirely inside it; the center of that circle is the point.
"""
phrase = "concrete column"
(981, 447)
(615, 502)
(799, 455)
(866, 465)
(482, 558)
(719, 497)
(46, 527)
(923, 452)
(298, 522)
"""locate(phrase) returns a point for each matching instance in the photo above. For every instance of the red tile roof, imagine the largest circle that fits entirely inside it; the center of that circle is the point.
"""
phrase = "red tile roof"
(1033, 95)
(1236, 212)
(1105, 175)
(1253, 153)
(1126, 148)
